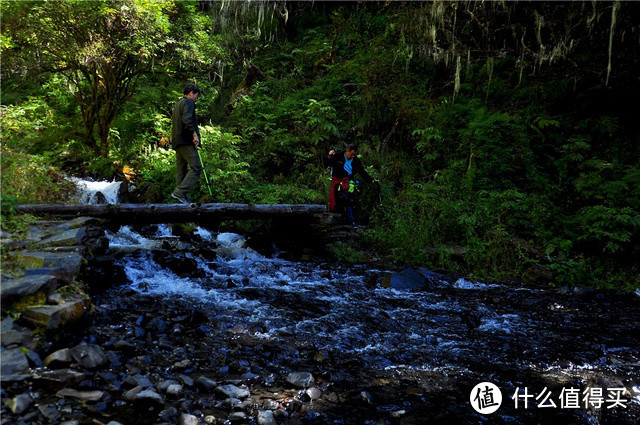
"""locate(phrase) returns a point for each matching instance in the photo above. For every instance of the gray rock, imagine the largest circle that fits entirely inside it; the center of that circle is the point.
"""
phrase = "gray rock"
(186, 380)
(162, 386)
(149, 395)
(20, 403)
(80, 249)
(300, 379)
(34, 359)
(123, 345)
(6, 324)
(50, 316)
(157, 324)
(14, 289)
(35, 234)
(16, 337)
(237, 416)
(54, 299)
(265, 417)
(70, 262)
(175, 390)
(78, 222)
(70, 423)
(280, 413)
(181, 365)
(406, 280)
(232, 391)
(60, 358)
(59, 378)
(366, 396)
(70, 237)
(314, 393)
(233, 403)
(132, 393)
(13, 362)
(168, 415)
(62, 274)
(114, 423)
(89, 356)
(206, 383)
(186, 419)
(49, 411)
(81, 395)
(139, 380)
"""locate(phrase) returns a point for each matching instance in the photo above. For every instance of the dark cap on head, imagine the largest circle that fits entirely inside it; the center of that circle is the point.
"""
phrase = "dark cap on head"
(352, 147)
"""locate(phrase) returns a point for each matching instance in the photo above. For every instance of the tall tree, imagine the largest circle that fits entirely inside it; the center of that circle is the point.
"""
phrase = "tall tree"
(101, 47)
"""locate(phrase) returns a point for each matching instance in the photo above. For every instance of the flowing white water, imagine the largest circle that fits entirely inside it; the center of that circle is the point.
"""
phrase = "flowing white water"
(329, 307)
(459, 326)
(90, 190)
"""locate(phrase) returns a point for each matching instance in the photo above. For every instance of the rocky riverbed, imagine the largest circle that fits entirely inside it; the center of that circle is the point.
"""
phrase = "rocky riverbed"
(195, 327)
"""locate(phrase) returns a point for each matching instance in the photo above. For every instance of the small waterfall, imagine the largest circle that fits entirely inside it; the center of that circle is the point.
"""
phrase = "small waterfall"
(97, 192)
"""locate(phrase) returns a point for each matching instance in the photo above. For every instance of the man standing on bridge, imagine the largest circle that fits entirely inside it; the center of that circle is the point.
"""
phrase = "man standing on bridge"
(185, 139)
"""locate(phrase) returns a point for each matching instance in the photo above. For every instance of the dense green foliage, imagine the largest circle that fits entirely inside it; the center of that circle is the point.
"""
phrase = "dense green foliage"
(503, 133)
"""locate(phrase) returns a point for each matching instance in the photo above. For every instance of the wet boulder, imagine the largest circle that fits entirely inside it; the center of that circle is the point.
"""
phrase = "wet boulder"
(57, 379)
(139, 381)
(157, 324)
(265, 417)
(300, 379)
(12, 362)
(148, 397)
(64, 265)
(237, 417)
(206, 384)
(406, 280)
(175, 390)
(89, 356)
(313, 393)
(186, 419)
(14, 289)
(81, 395)
(232, 391)
(178, 263)
(50, 316)
(60, 358)
(102, 272)
(20, 403)
(13, 335)
(72, 237)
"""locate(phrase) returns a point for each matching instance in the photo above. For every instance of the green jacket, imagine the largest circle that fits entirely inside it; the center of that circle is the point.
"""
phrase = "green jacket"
(183, 123)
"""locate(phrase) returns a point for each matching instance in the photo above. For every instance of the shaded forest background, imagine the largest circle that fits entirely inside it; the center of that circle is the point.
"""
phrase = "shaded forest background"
(505, 134)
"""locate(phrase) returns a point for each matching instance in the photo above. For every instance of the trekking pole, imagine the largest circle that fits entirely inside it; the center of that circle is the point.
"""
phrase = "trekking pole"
(205, 173)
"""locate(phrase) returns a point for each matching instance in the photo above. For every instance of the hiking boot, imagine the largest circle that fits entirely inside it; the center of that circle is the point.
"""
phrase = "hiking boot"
(181, 199)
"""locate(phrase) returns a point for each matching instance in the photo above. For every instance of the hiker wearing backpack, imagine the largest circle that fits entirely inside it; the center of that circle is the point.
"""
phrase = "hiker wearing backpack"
(185, 139)
(345, 166)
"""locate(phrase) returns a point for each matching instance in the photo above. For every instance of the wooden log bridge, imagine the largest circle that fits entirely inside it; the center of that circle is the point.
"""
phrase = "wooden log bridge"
(177, 213)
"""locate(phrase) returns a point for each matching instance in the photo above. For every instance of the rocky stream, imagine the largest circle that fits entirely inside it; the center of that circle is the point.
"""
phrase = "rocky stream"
(198, 326)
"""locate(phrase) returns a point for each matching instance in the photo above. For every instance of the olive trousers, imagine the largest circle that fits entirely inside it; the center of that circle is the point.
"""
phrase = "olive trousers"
(188, 169)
